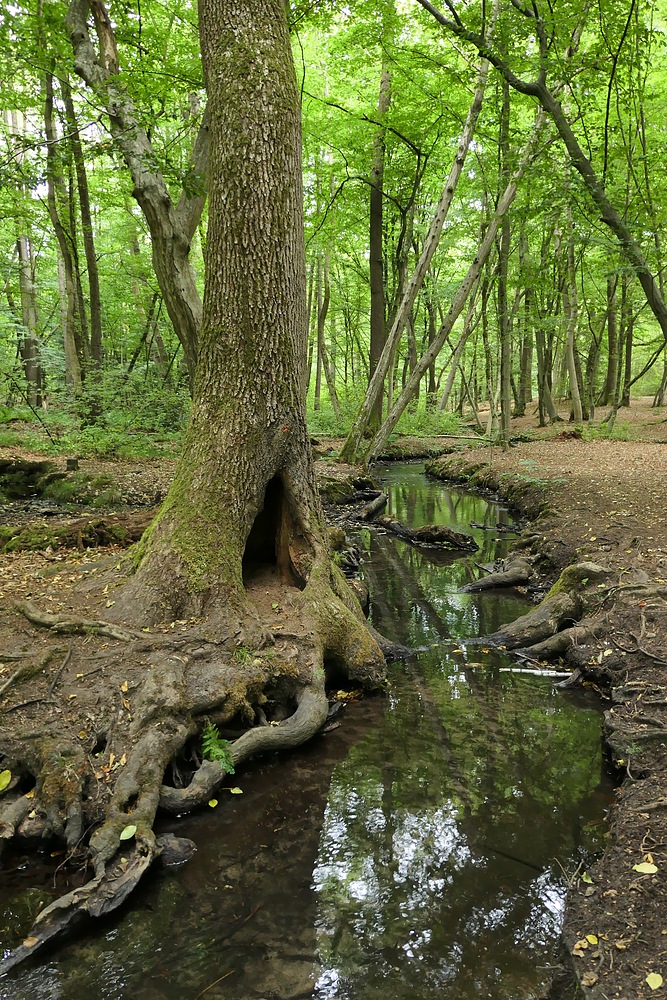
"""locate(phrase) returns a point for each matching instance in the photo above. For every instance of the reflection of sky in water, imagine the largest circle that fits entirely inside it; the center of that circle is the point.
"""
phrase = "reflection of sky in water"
(437, 861)
(411, 854)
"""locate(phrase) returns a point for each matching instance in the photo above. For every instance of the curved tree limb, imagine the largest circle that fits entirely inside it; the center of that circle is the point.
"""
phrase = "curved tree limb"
(171, 227)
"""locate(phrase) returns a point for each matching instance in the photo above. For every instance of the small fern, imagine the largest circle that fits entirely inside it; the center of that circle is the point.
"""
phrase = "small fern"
(215, 748)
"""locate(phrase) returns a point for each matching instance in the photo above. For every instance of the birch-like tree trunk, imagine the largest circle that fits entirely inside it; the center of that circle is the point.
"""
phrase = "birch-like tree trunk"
(352, 444)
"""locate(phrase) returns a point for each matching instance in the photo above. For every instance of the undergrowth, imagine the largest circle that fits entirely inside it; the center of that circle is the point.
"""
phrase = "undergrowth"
(215, 748)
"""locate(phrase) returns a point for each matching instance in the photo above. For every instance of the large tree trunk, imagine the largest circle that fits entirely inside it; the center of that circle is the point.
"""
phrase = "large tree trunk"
(243, 515)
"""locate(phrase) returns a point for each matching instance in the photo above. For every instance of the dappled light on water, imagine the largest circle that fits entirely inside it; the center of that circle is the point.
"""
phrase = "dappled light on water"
(418, 851)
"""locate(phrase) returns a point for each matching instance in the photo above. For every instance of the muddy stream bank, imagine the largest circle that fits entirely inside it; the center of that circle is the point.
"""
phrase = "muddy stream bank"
(420, 849)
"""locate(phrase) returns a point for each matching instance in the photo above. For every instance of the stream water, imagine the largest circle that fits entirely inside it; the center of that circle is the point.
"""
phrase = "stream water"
(419, 850)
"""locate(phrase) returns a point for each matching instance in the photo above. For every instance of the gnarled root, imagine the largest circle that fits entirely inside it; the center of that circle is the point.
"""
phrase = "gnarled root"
(558, 644)
(539, 624)
(171, 692)
(560, 609)
(309, 717)
(514, 573)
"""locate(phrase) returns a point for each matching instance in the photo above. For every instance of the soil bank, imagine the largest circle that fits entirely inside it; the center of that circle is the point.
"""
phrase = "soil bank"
(604, 502)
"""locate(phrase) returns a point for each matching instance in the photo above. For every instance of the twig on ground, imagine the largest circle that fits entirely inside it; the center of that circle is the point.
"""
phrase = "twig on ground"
(10, 680)
(58, 673)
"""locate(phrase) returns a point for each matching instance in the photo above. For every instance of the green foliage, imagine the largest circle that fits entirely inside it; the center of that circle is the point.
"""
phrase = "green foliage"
(619, 432)
(215, 748)
(242, 655)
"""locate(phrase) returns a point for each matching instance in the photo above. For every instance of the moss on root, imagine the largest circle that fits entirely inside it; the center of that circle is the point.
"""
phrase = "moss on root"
(528, 494)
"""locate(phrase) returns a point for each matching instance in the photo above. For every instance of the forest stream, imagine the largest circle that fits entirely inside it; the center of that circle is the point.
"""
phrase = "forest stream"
(419, 849)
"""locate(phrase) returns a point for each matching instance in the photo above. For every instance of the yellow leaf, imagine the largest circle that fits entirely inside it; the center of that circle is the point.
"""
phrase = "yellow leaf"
(30, 794)
(126, 704)
(592, 938)
(5, 778)
(581, 945)
(123, 686)
(587, 879)
(83, 734)
(32, 814)
(30, 942)
(123, 760)
(213, 803)
(236, 791)
(645, 868)
(654, 980)
(589, 979)
(128, 832)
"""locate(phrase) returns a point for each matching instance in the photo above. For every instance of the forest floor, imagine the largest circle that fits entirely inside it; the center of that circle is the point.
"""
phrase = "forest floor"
(598, 500)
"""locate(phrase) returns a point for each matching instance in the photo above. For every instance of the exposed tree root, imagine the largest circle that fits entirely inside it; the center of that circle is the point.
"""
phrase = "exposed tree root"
(222, 671)
(560, 609)
(68, 626)
(539, 624)
(558, 644)
(308, 719)
(515, 572)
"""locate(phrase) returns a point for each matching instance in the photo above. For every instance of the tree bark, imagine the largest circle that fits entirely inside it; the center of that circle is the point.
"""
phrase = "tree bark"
(352, 443)
(460, 297)
(95, 300)
(376, 243)
(172, 226)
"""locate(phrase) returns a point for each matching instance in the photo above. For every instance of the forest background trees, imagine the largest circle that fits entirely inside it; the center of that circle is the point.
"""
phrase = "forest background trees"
(453, 241)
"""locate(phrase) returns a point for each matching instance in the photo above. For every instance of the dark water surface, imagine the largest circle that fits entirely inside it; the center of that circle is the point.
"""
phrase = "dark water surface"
(417, 851)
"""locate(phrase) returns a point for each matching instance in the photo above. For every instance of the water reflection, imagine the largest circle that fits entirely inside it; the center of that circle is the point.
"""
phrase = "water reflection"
(446, 828)
(413, 852)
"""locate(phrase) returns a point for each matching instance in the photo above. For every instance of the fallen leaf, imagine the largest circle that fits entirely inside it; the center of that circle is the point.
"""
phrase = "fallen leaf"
(654, 980)
(213, 803)
(236, 791)
(587, 879)
(123, 686)
(128, 832)
(645, 868)
(30, 942)
(30, 794)
(589, 979)
(5, 778)
(592, 938)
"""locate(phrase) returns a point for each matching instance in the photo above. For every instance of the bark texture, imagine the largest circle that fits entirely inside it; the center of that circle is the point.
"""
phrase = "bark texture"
(243, 514)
